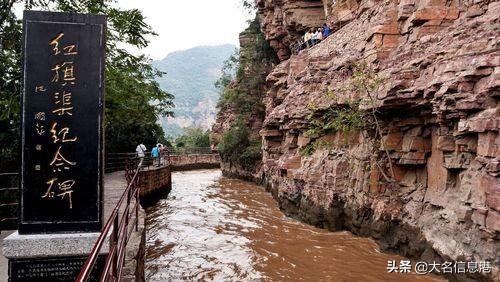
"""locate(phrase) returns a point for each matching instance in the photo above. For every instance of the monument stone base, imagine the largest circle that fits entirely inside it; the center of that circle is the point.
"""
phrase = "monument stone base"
(50, 257)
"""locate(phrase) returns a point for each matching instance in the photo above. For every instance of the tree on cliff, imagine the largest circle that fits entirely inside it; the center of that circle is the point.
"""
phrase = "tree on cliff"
(133, 99)
(242, 86)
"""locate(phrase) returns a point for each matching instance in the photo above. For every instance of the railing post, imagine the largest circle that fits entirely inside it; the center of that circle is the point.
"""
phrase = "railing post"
(114, 239)
(118, 235)
(135, 188)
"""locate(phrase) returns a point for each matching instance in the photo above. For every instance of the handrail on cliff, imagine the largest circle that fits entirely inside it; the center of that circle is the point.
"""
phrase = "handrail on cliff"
(119, 231)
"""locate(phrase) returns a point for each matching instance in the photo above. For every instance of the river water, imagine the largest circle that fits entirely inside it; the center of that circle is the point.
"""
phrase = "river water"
(221, 229)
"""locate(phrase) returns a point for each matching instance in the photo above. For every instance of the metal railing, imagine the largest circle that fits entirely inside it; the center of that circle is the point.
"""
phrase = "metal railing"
(117, 161)
(9, 200)
(189, 151)
(117, 228)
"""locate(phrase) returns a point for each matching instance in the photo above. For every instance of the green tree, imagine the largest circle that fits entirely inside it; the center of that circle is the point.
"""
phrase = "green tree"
(133, 99)
(10, 86)
(193, 137)
(244, 74)
(242, 86)
(237, 147)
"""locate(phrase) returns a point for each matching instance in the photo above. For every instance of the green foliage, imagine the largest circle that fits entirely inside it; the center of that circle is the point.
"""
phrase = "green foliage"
(241, 101)
(241, 88)
(344, 118)
(307, 150)
(149, 134)
(251, 156)
(234, 140)
(336, 120)
(364, 79)
(310, 148)
(10, 87)
(244, 74)
(193, 137)
(237, 147)
(228, 71)
(133, 99)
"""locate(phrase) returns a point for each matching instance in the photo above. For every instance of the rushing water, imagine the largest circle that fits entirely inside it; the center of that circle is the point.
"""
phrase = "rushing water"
(215, 228)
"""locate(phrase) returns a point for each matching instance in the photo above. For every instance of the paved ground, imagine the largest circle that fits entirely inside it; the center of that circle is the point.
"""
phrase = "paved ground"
(114, 183)
(4, 269)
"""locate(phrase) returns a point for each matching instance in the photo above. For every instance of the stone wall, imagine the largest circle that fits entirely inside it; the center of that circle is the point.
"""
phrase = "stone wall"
(189, 162)
(154, 184)
(429, 188)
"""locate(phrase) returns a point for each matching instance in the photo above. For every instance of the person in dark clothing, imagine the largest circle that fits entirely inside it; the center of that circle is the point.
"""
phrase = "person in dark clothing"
(326, 31)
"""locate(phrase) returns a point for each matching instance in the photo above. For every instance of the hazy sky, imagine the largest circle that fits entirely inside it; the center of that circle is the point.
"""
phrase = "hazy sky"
(182, 24)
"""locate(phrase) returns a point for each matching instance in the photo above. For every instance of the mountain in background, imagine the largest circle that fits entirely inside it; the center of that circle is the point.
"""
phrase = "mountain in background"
(191, 75)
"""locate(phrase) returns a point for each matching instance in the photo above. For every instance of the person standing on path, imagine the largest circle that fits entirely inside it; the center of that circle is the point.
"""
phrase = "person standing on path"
(141, 152)
(307, 38)
(160, 152)
(155, 153)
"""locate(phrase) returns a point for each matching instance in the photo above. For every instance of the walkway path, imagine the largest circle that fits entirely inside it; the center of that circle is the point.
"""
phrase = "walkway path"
(114, 185)
(4, 268)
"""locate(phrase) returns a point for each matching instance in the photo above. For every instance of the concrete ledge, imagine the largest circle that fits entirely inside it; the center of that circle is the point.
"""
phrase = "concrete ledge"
(18, 246)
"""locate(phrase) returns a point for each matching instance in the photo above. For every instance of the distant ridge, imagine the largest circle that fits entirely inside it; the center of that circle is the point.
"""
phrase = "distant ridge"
(191, 75)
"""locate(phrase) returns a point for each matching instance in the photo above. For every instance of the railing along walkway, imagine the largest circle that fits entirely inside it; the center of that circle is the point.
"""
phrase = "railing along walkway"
(117, 161)
(121, 221)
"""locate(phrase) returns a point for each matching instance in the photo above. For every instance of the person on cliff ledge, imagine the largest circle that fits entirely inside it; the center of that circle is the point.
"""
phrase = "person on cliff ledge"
(307, 38)
(326, 31)
(318, 36)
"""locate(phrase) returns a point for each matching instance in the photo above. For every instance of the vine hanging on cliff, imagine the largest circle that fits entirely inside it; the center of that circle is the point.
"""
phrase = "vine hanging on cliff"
(366, 81)
(351, 115)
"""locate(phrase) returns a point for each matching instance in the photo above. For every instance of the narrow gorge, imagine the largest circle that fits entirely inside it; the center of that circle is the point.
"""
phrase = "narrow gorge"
(389, 128)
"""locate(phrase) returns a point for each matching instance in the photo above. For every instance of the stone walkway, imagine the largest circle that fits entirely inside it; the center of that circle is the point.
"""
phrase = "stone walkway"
(114, 183)
(4, 268)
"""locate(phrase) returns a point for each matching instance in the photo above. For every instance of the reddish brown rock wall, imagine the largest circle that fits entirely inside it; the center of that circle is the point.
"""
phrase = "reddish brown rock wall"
(283, 22)
(438, 110)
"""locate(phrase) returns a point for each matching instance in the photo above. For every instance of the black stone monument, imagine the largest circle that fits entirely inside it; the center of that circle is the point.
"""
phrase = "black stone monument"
(62, 122)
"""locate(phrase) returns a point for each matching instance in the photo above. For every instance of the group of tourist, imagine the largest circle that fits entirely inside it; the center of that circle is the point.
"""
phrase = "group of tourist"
(157, 154)
(313, 36)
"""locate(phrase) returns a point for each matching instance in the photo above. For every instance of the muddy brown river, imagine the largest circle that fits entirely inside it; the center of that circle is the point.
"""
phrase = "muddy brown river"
(213, 228)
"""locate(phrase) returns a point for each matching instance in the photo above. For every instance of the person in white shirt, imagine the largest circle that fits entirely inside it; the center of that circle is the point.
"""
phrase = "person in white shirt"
(307, 38)
(140, 150)
(316, 37)
(319, 35)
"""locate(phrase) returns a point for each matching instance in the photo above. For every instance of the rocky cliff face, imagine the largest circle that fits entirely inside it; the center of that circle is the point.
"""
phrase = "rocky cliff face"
(283, 22)
(423, 178)
(242, 99)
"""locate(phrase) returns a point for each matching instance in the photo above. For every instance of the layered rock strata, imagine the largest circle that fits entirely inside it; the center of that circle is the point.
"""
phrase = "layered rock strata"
(425, 183)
